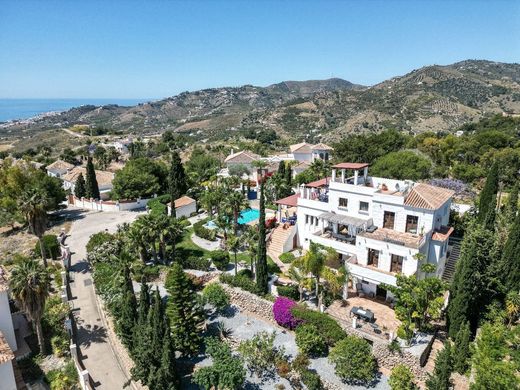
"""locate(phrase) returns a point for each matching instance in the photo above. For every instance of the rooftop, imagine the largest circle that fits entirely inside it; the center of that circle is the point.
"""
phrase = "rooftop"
(442, 234)
(291, 200)
(349, 165)
(6, 354)
(244, 156)
(321, 146)
(426, 196)
(389, 235)
(302, 147)
(60, 165)
(319, 183)
(103, 177)
(183, 201)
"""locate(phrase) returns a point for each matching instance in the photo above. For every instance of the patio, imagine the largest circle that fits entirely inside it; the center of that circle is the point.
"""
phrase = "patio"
(384, 315)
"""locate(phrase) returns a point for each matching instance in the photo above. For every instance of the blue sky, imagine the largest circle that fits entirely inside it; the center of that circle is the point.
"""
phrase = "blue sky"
(153, 49)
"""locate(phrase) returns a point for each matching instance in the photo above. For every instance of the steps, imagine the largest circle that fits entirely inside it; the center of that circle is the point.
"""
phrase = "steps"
(436, 347)
(449, 268)
(276, 242)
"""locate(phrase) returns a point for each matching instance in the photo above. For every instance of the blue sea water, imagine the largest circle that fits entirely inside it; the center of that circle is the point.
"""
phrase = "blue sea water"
(28, 108)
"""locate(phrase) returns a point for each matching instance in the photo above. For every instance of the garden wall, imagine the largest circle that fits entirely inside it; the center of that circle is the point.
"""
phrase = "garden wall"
(108, 205)
(251, 303)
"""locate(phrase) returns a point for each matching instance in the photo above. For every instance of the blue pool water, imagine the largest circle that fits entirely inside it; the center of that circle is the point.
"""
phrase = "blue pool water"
(246, 216)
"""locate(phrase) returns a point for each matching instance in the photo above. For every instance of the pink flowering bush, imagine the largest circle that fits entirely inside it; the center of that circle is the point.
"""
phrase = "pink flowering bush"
(282, 312)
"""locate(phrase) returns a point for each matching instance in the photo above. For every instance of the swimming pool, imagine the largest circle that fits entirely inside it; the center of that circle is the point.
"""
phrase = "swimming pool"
(246, 216)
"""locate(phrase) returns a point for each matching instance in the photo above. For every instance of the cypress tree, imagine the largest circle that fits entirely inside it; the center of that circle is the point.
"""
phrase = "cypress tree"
(288, 176)
(281, 168)
(176, 180)
(91, 184)
(462, 351)
(261, 258)
(79, 188)
(512, 203)
(165, 377)
(141, 351)
(489, 192)
(157, 326)
(127, 318)
(183, 311)
(469, 289)
(510, 261)
(440, 380)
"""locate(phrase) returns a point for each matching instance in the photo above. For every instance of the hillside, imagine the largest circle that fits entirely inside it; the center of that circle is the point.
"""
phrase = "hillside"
(438, 98)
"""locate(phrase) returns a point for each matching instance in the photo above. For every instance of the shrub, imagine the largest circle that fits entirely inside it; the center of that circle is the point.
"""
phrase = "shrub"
(198, 263)
(401, 378)
(290, 291)
(283, 368)
(215, 295)
(328, 327)
(156, 207)
(282, 313)
(260, 354)
(51, 245)
(66, 378)
(353, 359)
(103, 252)
(394, 346)
(60, 345)
(310, 340)
(311, 380)
(97, 239)
(287, 257)
(245, 272)
(203, 232)
(220, 259)
(148, 273)
(300, 362)
(240, 281)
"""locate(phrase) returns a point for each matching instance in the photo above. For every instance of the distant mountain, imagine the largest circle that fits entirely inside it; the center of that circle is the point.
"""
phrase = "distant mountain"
(433, 98)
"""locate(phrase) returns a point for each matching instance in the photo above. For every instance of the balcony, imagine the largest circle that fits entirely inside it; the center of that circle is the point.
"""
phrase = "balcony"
(409, 240)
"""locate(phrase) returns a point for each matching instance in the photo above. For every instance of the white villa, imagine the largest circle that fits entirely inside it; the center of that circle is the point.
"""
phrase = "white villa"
(377, 225)
(104, 179)
(58, 168)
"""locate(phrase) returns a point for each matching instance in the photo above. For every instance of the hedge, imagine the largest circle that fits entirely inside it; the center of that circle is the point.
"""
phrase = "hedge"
(310, 340)
(203, 232)
(97, 239)
(290, 291)
(198, 263)
(242, 282)
(329, 328)
(220, 259)
(51, 245)
(287, 257)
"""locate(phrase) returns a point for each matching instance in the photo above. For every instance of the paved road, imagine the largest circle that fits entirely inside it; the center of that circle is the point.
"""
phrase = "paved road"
(100, 359)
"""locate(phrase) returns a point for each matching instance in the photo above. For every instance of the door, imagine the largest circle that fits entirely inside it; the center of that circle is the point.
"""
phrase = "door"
(388, 220)
(380, 292)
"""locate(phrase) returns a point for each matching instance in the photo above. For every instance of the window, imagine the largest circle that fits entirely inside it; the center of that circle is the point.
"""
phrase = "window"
(388, 220)
(316, 221)
(396, 264)
(373, 257)
(343, 202)
(411, 223)
(363, 207)
(306, 219)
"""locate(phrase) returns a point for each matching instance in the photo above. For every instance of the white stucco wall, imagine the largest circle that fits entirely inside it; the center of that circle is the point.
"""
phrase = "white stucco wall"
(6, 321)
(7, 380)
(302, 156)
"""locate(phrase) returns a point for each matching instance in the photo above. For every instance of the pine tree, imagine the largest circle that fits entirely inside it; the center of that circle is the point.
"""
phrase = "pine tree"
(440, 380)
(489, 192)
(512, 203)
(261, 258)
(176, 180)
(462, 351)
(510, 261)
(184, 312)
(127, 318)
(165, 377)
(91, 184)
(469, 289)
(79, 188)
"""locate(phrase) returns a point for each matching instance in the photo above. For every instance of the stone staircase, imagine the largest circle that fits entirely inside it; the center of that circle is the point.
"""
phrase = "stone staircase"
(449, 269)
(277, 240)
(436, 347)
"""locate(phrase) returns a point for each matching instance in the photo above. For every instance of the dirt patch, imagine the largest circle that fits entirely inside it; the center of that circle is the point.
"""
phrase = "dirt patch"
(194, 125)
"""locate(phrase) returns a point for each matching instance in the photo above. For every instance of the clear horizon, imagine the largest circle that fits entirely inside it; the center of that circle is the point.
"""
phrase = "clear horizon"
(79, 50)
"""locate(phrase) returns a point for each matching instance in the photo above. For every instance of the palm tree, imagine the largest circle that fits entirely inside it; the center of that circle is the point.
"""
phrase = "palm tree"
(233, 244)
(513, 306)
(236, 202)
(172, 231)
(295, 274)
(29, 284)
(33, 204)
(138, 240)
(223, 224)
(251, 241)
(313, 262)
(150, 227)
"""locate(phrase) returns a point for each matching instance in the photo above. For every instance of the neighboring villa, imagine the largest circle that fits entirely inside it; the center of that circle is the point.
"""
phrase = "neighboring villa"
(184, 207)
(58, 168)
(378, 226)
(303, 154)
(7, 338)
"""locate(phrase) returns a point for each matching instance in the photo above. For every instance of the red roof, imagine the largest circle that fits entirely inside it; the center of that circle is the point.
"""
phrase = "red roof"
(319, 183)
(348, 165)
(290, 201)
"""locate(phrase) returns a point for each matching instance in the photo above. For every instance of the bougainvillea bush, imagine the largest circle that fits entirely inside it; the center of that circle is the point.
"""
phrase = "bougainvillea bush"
(282, 313)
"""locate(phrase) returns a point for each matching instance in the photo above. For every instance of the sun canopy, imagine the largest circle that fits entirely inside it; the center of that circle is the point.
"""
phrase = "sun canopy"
(343, 219)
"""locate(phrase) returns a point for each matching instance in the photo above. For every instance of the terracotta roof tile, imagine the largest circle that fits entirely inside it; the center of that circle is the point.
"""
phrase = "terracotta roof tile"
(103, 177)
(291, 200)
(442, 234)
(244, 157)
(60, 165)
(348, 165)
(183, 201)
(425, 196)
(321, 146)
(302, 147)
(6, 354)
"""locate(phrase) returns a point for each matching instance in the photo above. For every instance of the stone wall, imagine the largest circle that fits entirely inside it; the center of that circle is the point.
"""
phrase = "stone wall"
(251, 303)
(388, 359)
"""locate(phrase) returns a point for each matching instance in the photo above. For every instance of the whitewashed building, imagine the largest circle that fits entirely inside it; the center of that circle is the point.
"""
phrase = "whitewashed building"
(58, 168)
(104, 180)
(377, 225)
(184, 207)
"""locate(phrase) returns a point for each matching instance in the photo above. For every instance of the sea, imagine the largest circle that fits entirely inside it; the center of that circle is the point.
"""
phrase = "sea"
(11, 109)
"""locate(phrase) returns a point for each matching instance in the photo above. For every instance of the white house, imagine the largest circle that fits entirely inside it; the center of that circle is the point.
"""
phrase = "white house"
(58, 168)
(7, 337)
(104, 180)
(307, 152)
(377, 225)
(184, 207)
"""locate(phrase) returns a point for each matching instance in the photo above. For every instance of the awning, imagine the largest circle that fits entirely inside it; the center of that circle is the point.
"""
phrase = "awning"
(290, 201)
(343, 219)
